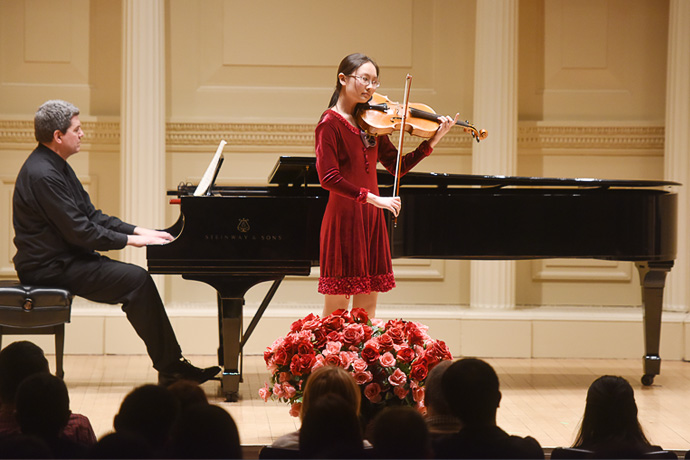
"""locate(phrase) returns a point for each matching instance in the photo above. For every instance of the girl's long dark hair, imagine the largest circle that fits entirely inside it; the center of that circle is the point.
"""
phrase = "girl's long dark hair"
(610, 415)
(347, 66)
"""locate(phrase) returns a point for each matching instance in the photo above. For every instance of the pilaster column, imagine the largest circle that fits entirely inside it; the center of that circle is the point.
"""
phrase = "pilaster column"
(492, 283)
(677, 145)
(142, 117)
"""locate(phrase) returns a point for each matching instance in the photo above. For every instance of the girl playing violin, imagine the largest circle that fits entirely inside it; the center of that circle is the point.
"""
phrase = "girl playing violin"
(355, 250)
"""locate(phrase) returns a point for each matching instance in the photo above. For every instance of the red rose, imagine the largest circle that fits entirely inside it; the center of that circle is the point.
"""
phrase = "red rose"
(289, 344)
(385, 342)
(304, 347)
(311, 322)
(393, 323)
(353, 334)
(414, 334)
(296, 326)
(302, 364)
(397, 334)
(439, 350)
(281, 357)
(397, 378)
(406, 354)
(367, 332)
(333, 323)
(363, 377)
(333, 359)
(401, 392)
(334, 336)
(359, 315)
(319, 338)
(419, 370)
(373, 392)
(370, 352)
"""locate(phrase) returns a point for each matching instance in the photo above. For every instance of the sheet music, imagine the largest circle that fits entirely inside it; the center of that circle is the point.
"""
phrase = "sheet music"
(205, 182)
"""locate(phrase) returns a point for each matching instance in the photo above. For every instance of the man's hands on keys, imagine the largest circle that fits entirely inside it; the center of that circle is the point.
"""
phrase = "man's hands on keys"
(145, 236)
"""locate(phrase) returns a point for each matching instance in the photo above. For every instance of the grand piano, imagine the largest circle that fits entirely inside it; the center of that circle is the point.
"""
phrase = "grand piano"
(237, 237)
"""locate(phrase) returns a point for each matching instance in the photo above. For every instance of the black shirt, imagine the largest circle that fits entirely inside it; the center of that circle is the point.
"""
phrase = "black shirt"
(54, 220)
(487, 442)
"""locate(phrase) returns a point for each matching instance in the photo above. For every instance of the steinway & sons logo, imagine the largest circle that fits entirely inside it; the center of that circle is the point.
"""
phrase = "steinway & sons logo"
(243, 226)
(242, 232)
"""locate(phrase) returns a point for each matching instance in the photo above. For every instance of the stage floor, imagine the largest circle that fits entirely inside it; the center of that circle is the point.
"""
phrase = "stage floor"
(543, 398)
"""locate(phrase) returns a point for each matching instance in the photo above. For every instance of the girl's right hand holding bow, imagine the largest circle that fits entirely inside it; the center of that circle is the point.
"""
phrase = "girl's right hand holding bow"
(393, 203)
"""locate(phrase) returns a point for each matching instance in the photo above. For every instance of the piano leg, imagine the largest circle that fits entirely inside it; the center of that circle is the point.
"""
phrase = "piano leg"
(229, 352)
(652, 281)
(231, 290)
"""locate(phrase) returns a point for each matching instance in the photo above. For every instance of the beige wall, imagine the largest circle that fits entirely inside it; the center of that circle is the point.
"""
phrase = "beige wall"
(259, 74)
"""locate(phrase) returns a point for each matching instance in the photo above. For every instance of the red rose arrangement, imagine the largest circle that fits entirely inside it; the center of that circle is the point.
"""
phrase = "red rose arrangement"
(388, 359)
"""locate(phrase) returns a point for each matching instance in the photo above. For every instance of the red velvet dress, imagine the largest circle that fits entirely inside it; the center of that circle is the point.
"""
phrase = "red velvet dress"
(355, 249)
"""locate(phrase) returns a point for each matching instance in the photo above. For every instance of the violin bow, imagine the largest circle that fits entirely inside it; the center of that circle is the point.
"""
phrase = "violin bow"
(406, 101)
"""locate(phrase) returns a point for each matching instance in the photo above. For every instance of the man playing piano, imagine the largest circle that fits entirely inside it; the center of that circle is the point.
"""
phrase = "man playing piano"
(58, 231)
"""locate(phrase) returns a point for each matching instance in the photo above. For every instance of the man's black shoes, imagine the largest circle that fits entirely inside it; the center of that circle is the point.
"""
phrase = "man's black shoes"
(184, 370)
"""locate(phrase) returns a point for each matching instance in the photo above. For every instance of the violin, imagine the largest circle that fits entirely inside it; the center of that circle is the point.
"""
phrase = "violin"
(382, 116)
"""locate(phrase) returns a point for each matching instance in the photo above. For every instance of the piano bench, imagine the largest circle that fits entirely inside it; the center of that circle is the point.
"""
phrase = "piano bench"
(35, 310)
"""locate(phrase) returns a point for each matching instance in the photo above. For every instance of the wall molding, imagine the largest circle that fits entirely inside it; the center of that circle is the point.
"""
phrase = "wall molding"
(637, 139)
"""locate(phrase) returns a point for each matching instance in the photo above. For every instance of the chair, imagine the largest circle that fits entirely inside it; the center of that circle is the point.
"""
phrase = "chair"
(35, 310)
(268, 452)
(661, 454)
(574, 453)
(571, 453)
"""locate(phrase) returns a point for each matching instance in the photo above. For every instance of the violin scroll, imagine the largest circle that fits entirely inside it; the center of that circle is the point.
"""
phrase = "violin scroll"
(477, 134)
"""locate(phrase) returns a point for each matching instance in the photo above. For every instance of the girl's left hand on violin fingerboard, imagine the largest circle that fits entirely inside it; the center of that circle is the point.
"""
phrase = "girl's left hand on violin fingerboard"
(445, 124)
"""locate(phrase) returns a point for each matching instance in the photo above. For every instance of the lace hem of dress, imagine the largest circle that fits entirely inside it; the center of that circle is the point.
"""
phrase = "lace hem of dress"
(356, 284)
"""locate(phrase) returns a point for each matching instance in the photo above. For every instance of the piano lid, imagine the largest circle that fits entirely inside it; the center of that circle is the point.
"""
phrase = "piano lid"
(302, 171)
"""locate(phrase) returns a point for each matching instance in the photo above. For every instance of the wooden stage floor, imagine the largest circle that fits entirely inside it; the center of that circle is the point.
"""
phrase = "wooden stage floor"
(543, 398)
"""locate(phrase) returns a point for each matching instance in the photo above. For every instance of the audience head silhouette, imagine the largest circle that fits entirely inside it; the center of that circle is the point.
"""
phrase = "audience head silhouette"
(331, 429)
(330, 379)
(121, 444)
(188, 393)
(149, 410)
(434, 399)
(471, 388)
(205, 431)
(610, 414)
(400, 432)
(42, 405)
(42, 411)
(19, 360)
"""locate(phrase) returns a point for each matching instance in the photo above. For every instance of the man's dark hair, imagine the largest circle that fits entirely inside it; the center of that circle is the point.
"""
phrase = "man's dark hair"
(42, 406)
(394, 424)
(149, 410)
(19, 360)
(470, 386)
(434, 396)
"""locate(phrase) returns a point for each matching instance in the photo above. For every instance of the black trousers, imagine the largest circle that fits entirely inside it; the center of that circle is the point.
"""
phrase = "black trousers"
(100, 279)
